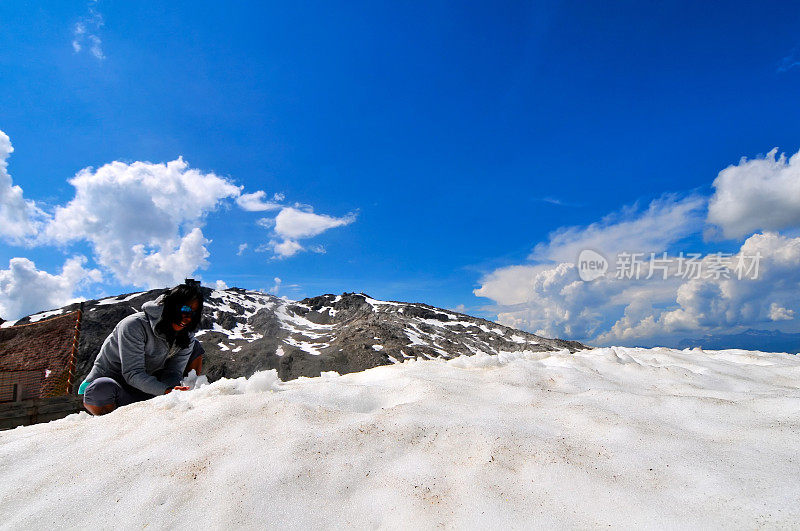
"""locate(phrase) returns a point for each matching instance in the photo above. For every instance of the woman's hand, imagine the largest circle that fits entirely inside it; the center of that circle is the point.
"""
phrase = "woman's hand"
(176, 388)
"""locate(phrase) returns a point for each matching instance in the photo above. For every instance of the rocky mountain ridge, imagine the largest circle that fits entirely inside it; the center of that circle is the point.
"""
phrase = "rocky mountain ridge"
(246, 331)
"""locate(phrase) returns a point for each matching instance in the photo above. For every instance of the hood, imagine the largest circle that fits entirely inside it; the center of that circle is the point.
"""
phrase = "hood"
(153, 311)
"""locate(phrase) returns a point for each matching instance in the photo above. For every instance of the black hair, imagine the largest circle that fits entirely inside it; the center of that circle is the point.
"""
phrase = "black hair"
(173, 300)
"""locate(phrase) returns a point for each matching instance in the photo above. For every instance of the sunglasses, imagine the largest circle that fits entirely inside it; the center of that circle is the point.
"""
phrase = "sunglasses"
(187, 310)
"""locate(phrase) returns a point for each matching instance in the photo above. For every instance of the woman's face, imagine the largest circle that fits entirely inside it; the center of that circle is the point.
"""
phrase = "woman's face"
(184, 316)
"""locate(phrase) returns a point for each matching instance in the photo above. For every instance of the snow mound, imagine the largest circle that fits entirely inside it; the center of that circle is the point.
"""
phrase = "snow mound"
(614, 436)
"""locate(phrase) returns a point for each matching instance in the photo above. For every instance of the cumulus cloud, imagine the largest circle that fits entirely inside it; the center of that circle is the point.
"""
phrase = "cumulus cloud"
(757, 195)
(551, 300)
(26, 290)
(779, 313)
(548, 296)
(142, 219)
(720, 304)
(20, 219)
(293, 224)
(512, 285)
(167, 264)
(220, 284)
(242, 248)
(257, 202)
(286, 248)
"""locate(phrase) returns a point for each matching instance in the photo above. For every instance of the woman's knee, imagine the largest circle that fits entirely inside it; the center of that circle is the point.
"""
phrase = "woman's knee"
(99, 410)
(100, 397)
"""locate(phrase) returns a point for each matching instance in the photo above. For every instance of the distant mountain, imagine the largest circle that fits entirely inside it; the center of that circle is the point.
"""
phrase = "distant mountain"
(247, 331)
(764, 340)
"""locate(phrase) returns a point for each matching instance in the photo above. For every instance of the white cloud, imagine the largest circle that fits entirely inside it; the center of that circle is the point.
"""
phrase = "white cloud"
(256, 202)
(665, 221)
(26, 290)
(756, 195)
(295, 224)
(726, 304)
(550, 299)
(266, 223)
(168, 264)
(96, 47)
(292, 224)
(276, 288)
(286, 248)
(242, 248)
(779, 313)
(86, 31)
(220, 284)
(511, 285)
(142, 219)
(78, 32)
(556, 201)
(20, 219)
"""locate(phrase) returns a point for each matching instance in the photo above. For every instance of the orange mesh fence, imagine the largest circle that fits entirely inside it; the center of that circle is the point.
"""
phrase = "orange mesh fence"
(37, 360)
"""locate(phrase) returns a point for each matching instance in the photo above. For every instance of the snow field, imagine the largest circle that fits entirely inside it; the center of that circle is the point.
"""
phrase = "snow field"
(614, 436)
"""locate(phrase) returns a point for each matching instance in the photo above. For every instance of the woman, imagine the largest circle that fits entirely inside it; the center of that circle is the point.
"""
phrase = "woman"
(146, 353)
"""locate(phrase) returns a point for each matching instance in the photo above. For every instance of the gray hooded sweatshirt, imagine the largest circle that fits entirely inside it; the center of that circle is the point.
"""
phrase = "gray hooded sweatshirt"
(134, 352)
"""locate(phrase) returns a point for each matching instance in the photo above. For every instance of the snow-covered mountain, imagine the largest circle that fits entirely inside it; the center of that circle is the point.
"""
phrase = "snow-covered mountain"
(247, 331)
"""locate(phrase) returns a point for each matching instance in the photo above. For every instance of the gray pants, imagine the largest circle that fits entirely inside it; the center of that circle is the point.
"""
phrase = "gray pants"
(105, 391)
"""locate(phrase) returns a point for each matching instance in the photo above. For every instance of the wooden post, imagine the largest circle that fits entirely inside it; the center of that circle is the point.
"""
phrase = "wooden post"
(74, 354)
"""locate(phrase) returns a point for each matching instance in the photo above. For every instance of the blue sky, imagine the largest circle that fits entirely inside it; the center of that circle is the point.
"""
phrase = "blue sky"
(450, 138)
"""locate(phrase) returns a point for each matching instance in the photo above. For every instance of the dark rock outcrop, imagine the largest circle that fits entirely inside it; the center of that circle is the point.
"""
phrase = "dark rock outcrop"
(247, 331)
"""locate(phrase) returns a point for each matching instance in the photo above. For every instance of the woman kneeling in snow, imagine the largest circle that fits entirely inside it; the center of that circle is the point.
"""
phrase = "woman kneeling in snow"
(147, 352)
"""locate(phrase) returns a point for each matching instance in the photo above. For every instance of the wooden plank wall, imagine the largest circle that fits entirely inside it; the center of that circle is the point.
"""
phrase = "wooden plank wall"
(38, 410)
